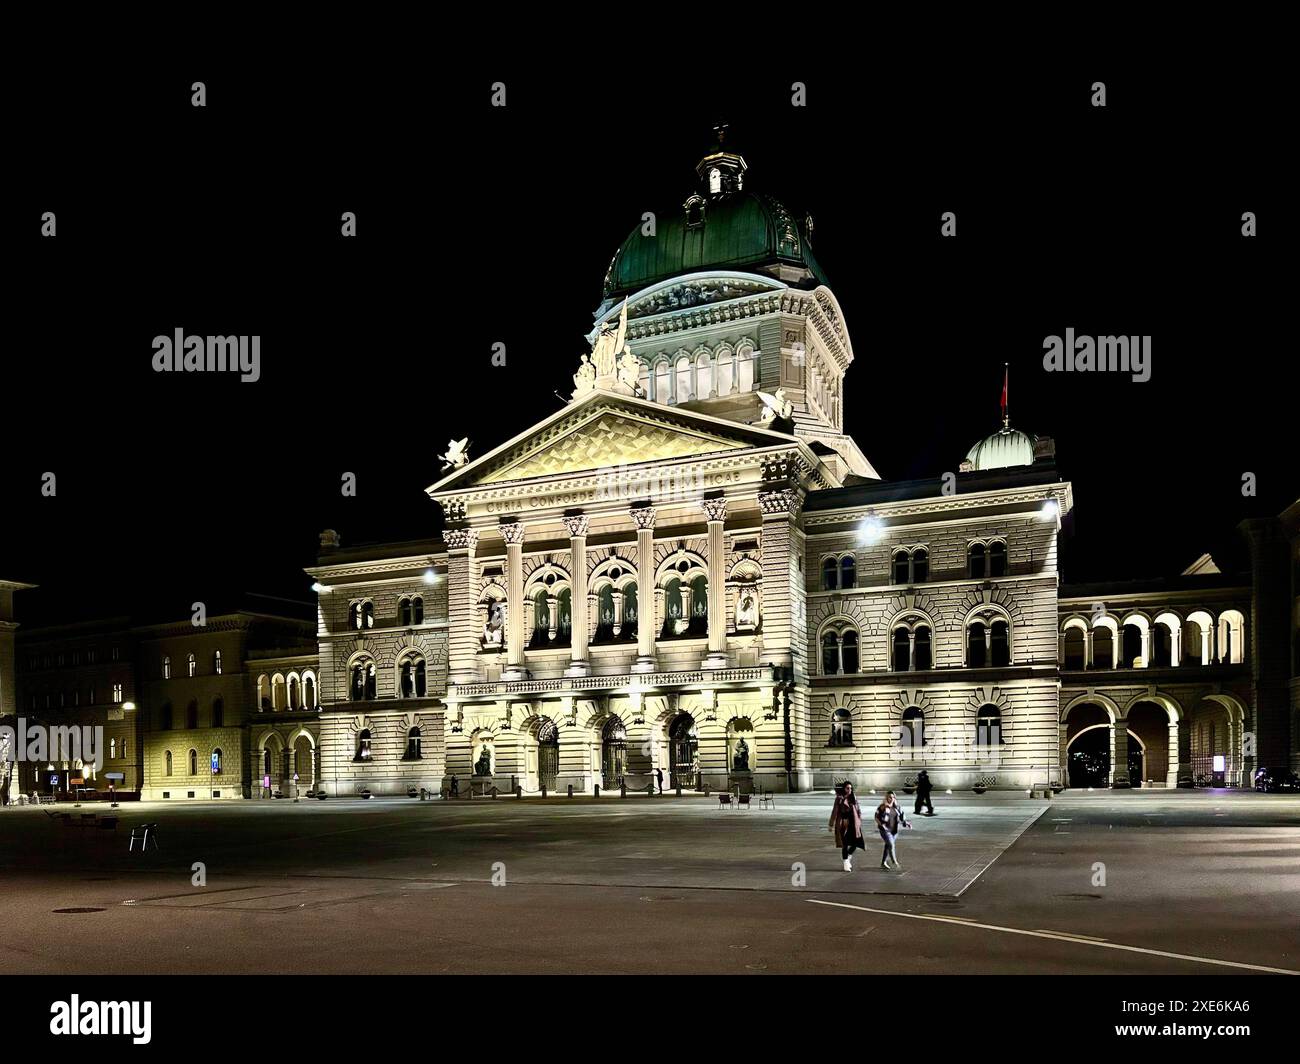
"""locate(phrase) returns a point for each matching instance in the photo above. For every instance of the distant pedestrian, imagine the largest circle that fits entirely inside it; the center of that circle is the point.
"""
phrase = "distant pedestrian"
(889, 817)
(846, 822)
(923, 794)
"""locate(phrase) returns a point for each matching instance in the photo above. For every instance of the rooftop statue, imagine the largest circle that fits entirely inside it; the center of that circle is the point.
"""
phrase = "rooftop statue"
(457, 454)
(775, 406)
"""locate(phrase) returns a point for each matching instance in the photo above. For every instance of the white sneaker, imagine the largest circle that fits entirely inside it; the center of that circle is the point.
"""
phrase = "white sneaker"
(848, 864)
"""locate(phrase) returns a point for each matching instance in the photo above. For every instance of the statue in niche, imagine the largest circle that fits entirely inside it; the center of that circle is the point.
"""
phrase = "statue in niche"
(483, 766)
(740, 759)
(747, 609)
(494, 630)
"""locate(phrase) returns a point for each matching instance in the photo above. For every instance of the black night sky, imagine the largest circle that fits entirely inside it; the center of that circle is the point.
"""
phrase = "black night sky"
(479, 225)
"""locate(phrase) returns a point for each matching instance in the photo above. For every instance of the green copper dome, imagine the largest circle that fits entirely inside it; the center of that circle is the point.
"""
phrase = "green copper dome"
(1006, 447)
(723, 226)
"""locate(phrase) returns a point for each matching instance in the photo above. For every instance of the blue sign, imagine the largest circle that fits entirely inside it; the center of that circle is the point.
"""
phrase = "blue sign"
(216, 765)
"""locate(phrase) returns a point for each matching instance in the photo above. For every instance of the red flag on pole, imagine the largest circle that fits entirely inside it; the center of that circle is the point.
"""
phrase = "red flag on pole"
(1005, 376)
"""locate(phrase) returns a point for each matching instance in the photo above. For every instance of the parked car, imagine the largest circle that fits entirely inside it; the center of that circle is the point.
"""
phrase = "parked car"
(1277, 780)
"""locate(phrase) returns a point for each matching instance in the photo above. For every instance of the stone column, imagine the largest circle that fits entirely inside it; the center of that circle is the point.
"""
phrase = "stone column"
(463, 642)
(645, 589)
(783, 588)
(1119, 755)
(1180, 754)
(513, 533)
(577, 526)
(716, 512)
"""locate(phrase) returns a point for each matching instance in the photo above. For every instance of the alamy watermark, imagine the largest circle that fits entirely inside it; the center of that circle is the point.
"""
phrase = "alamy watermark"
(1101, 354)
(209, 354)
(36, 742)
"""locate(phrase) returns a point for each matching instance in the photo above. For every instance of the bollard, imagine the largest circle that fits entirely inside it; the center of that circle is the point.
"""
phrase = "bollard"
(543, 790)
(622, 789)
(519, 791)
(570, 790)
(650, 790)
(679, 790)
(597, 790)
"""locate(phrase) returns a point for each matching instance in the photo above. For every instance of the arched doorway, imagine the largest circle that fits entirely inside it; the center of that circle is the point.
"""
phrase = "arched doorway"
(548, 754)
(613, 753)
(1148, 744)
(304, 762)
(684, 752)
(1088, 745)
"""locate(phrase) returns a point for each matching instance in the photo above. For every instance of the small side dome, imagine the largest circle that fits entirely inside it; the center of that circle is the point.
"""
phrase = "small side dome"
(1006, 447)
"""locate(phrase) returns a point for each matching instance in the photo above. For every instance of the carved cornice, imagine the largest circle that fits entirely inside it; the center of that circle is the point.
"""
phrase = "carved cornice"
(948, 506)
(784, 501)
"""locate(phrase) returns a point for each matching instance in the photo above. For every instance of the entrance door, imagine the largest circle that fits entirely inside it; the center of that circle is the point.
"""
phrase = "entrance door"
(548, 755)
(613, 762)
(683, 752)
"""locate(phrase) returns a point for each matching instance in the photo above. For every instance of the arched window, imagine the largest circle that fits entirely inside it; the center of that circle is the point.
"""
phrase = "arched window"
(848, 572)
(663, 381)
(194, 762)
(988, 727)
(683, 379)
(978, 559)
(923, 653)
(976, 648)
(216, 662)
(1075, 647)
(902, 567)
(703, 375)
(902, 650)
(920, 565)
(413, 751)
(605, 614)
(997, 558)
(839, 650)
(725, 371)
(643, 380)
(1232, 639)
(1162, 646)
(630, 612)
(368, 613)
(913, 729)
(263, 693)
(191, 665)
(309, 691)
(112, 749)
(1131, 643)
(417, 610)
(1103, 647)
(830, 653)
(192, 714)
(541, 619)
(830, 575)
(564, 622)
(841, 728)
(1000, 643)
(363, 680)
(218, 712)
(745, 369)
(411, 676)
(167, 763)
(699, 606)
(293, 692)
(849, 651)
(167, 668)
(363, 745)
(404, 613)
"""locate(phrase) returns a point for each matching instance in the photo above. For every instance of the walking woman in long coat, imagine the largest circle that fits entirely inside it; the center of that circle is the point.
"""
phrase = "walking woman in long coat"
(846, 822)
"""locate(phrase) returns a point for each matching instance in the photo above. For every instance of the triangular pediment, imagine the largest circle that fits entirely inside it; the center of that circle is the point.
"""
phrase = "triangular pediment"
(607, 431)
